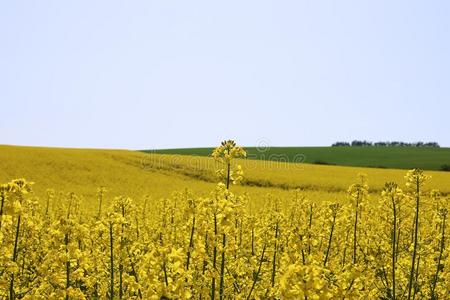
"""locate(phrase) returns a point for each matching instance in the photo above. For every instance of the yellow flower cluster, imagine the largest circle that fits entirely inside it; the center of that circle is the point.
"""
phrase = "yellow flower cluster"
(388, 245)
(225, 154)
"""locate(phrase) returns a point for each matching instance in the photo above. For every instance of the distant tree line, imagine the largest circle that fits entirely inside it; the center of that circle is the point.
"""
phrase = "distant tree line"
(357, 143)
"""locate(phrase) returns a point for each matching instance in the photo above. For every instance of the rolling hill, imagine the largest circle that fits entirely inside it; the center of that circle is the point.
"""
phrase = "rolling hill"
(378, 157)
(139, 174)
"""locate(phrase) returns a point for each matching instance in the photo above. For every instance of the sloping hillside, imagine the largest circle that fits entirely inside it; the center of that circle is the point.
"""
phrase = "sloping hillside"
(137, 174)
(83, 170)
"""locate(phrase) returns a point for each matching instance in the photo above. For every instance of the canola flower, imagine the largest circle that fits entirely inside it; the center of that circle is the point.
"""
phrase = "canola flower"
(388, 245)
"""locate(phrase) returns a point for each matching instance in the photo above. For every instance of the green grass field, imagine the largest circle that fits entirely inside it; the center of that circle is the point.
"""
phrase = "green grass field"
(379, 157)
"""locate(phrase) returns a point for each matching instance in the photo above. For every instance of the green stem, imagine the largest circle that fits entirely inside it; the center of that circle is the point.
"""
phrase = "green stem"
(394, 244)
(344, 255)
(228, 175)
(1, 209)
(274, 261)
(222, 268)
(111, 258)
(100, 200)
(213, 282)
(66, 242)
(438, 264)
(191, 243)
(303, 251)
(355, 228)
(416, 233)
(309, 226)
(14, 258)
(205, 262)
(47, 205)
(256, 277)
(120, 257)
(329, 240)
(166, 280)
(133, 270)
(416, 288)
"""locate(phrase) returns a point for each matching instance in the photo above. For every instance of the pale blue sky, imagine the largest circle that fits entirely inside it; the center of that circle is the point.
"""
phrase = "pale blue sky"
(160, 74)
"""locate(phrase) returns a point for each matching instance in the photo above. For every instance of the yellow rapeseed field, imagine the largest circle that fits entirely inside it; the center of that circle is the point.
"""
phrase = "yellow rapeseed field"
(115, 224)
(138, 174)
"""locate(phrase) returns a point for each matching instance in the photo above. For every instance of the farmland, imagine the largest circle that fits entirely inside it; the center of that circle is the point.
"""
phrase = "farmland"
(118, 224)
(138, 174)
(379, 157)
